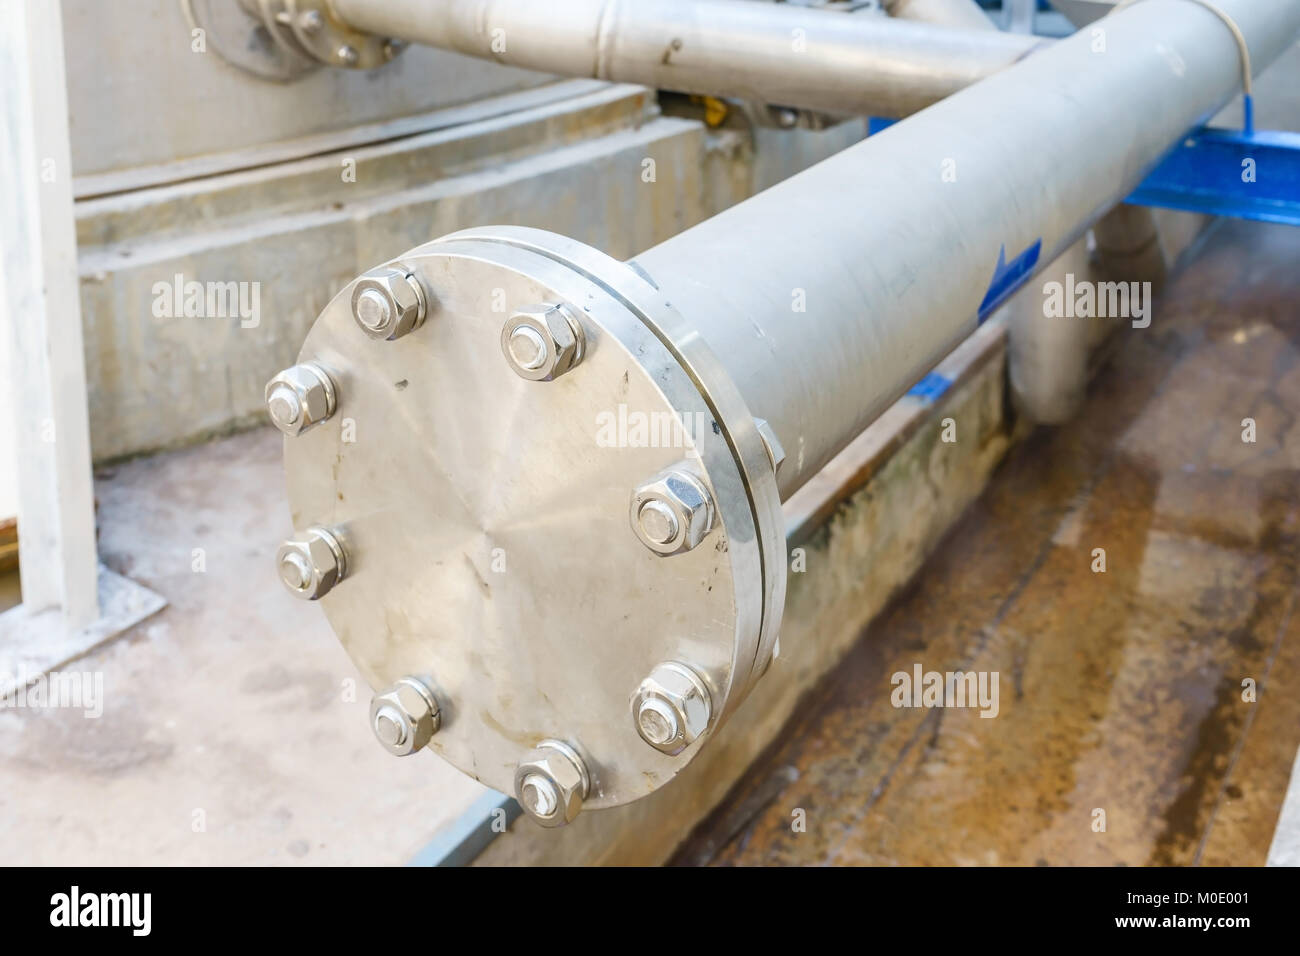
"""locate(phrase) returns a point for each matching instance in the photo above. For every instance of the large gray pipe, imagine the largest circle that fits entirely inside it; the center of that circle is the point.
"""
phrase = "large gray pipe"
(1047, 359)
(828, 295)
(780, 54)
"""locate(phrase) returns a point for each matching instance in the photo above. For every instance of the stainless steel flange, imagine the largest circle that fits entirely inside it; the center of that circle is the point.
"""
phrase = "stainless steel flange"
(744, 435)
(309, 33)
(251, 35)
(327, 38)
(487, 513)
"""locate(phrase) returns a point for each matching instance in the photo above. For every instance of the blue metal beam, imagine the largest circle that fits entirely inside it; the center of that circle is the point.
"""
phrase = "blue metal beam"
(1229, 173)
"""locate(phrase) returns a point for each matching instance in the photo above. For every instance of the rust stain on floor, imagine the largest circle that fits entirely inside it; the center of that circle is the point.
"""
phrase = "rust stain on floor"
(1119, 692)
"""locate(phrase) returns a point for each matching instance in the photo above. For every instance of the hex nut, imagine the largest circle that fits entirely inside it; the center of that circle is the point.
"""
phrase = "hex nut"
(388, 303)
(771, 444)
(405, 716)
(311, 21)
(300, 398)
(673, 512)
(542, 342)
(539, 795)
(311, 564)
(311, 28)
(551, 782)
(671, 708)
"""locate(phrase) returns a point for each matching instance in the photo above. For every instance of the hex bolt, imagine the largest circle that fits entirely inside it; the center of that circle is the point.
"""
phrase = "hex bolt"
(390, 728)
(284, 406)
(311, 564)
(673, 512)
(300, 398)
(658, 521)
(671, 708)
(295, 571)
(657, 722)
(348, 55)
(310, 21)
(374, 310)
(771, 444)
(388, 303)
(542, 342)
(551, 782)
(538, 795)
(527, 348)
(405, 716)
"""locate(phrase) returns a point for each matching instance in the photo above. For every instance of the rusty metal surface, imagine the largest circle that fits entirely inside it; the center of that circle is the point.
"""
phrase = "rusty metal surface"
(1118, 691)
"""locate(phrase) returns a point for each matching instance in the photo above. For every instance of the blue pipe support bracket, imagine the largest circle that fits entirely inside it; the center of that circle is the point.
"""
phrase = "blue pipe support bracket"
(1229, 173)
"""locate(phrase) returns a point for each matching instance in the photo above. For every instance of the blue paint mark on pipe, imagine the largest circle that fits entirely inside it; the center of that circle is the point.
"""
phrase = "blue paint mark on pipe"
(930, 388)
(1009, 276)
(877, 123)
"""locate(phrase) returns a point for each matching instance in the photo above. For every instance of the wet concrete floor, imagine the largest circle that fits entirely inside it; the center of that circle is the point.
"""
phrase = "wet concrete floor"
(1146, 714)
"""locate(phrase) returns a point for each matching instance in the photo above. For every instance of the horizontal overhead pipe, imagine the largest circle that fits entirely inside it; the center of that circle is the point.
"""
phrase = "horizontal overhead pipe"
(827, 295)
(781, 54)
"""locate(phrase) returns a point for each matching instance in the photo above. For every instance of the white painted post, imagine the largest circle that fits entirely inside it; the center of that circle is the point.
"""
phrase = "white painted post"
(38, 282)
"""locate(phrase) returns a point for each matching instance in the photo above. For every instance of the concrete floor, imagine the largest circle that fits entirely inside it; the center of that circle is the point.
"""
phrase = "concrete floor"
(1119, 691)
(234, 728)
